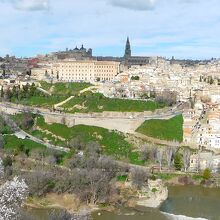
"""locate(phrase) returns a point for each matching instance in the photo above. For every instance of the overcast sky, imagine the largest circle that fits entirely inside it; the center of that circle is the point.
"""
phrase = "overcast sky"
(182, 28)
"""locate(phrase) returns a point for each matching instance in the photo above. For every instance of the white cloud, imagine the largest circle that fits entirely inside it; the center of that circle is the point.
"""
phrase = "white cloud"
(143, 5)
(134, 4)
(29, 5)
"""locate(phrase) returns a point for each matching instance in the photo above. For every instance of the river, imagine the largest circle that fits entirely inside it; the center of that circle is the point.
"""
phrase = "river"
(184, 203)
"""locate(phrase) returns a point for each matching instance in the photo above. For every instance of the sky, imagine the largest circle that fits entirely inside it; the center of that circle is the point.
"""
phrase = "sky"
(187, 29)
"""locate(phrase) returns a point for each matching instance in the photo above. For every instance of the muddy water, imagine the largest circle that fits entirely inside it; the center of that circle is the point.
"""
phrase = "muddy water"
(184, 203)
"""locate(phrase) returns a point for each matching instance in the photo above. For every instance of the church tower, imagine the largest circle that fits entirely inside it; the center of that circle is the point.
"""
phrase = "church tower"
(127, 49)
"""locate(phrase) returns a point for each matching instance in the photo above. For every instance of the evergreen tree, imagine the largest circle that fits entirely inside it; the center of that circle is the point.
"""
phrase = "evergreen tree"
(178, 161)
(2, 92)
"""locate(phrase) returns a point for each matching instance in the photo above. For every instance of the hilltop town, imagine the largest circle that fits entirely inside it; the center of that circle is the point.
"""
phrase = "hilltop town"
(71, 110)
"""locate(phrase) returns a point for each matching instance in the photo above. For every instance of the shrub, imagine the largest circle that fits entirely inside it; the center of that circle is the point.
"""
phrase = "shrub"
(178, 161)
(207, 174)
(7, 161)
(154, 190)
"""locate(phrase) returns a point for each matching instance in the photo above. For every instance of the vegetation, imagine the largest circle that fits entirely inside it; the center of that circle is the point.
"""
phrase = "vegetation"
(207, 174)
(135, 78)
(96, 102)
(19, 145)
(113, 143)
(122, 178)
(40, 101)
(165, 176)
(171, 130)
(64, 89)
(87, 102)
(30, 95)
(4, 128)
(178, 163)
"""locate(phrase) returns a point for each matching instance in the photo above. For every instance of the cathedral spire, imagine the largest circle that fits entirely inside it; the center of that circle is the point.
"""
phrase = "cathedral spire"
(127, 48)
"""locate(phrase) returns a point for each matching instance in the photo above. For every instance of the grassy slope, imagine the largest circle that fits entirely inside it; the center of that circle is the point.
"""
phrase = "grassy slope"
(164, 129)
(61, 91)
(41, 101)
(114, 143)
(12, 142)
(65, 89)
(93, 102)
(5, 129)
(98, 103)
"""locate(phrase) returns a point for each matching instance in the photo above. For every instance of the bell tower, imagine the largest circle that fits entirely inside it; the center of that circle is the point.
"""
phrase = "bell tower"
(127, 49)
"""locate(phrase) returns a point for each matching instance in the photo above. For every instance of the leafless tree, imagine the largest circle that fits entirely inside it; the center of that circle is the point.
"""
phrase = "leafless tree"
(145, 153)
(76, 143)
(186, 159)
(2, 142)
(169, 156)
(138, 177)
(159, 155)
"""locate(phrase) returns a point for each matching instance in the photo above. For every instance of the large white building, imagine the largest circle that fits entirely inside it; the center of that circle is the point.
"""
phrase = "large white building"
(86, 70)
(78, 70)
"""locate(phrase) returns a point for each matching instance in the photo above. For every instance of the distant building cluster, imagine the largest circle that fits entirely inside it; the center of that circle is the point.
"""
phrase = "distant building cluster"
(77, 53)
(80, 65)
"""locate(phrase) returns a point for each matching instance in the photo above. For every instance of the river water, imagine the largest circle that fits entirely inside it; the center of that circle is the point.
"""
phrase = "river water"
(184, 203)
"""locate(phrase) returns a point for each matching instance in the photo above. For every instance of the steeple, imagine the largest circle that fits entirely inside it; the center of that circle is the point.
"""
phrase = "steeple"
(127, 48)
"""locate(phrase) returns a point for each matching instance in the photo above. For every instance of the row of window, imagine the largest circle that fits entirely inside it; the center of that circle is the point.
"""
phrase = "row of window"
(85, 70)
(98, 67)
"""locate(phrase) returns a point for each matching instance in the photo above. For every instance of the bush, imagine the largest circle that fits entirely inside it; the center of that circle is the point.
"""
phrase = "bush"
(7, 162)
(178, 161)
(207, 174)
(135, 78)
(154, 190)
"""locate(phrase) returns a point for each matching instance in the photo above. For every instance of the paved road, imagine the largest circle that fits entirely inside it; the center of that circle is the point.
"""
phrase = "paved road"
(23, 134)
(20, 108)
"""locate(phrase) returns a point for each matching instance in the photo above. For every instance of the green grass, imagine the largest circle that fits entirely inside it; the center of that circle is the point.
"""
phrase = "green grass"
(122, 178)
(165, 176)
(64, 89)
(44, 136)
(60, 92)
(40, 101)
(169, 130)
(12, 143)
(197, 177)
(4, 128)
(38, 133)
(96, 102)
(113, 143)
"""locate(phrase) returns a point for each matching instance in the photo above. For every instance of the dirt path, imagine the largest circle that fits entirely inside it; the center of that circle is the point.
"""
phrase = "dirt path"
(63, 102)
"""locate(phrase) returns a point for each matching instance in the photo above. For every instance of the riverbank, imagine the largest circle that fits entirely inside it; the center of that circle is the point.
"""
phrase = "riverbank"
(196, 202)
(153, 197)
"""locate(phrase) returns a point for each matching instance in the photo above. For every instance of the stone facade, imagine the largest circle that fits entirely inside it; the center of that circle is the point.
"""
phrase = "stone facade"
(86, 70)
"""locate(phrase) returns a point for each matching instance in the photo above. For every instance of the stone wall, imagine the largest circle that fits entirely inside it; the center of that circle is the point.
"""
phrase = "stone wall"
(68, 121)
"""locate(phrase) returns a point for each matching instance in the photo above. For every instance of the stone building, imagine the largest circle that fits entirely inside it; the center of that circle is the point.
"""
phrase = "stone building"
(85, 70)
(128, 60)
(77, 53)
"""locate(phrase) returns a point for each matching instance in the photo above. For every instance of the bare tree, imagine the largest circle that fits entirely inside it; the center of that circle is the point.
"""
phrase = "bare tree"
(2, 142)
(145, 153)
(186, 159)
(139, 177)
(169, 156)
(160, 157)
(76, 143)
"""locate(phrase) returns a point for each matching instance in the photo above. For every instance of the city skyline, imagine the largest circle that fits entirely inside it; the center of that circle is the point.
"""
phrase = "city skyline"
(184, 29)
